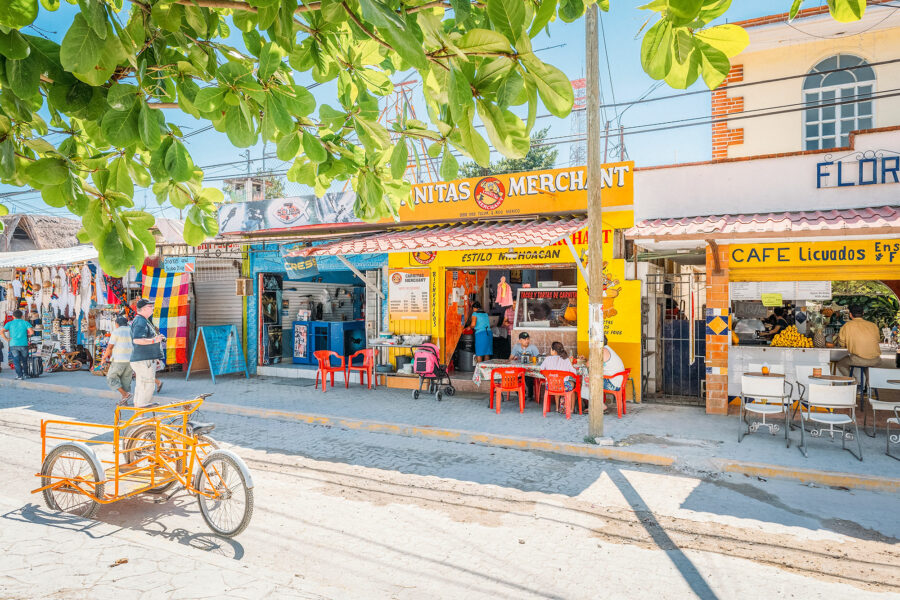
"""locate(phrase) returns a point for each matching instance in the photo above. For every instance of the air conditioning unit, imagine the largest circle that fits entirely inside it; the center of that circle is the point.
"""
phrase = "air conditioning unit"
(243, 286)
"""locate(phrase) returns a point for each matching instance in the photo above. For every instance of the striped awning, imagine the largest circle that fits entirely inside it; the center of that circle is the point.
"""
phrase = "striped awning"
(473, 236)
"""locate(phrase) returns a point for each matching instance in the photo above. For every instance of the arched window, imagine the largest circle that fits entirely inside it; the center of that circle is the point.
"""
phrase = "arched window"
(830, 126)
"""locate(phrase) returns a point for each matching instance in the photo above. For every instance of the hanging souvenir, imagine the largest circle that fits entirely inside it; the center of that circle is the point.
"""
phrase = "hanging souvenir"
(85, 291)
(504, 293)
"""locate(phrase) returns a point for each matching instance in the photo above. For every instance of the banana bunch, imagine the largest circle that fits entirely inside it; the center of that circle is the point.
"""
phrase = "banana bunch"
(791, 338)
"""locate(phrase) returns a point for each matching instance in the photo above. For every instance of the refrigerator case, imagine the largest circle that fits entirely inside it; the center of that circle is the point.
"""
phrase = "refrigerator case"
(302, 354)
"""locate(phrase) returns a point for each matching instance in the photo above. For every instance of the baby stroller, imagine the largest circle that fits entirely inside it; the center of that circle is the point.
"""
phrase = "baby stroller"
(427, 365)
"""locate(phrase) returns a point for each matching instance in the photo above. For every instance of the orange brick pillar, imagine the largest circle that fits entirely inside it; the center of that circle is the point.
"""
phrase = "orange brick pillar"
(722, 106)
(718, 329)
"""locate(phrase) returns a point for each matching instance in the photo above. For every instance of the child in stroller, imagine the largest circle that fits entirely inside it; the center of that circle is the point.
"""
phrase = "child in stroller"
(427, 365)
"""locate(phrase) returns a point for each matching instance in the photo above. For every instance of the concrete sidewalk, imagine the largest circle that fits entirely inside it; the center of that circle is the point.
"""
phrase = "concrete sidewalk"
(683, 437)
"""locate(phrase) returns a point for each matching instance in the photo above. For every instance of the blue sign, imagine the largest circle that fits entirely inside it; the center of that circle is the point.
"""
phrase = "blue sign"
(296, 264)
(219, 353)
(179, 264)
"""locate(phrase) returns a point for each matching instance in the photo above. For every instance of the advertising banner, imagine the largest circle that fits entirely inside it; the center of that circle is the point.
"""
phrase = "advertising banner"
(409, 293)
(287, 213)
(297, 266)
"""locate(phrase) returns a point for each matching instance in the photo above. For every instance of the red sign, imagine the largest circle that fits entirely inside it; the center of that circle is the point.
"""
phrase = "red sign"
(489, 193)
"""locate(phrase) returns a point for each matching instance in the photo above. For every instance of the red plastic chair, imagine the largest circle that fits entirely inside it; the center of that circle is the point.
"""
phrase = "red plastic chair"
(555, 385)
(512, 379)
(366, 369)
(619, 394)
(325, 367)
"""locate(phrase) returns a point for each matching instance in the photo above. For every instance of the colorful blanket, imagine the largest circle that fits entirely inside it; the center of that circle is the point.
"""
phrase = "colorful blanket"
(169, 293)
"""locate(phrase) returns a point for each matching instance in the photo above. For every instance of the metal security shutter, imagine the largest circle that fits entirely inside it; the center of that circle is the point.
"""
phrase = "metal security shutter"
(298, 293)
(216, 301)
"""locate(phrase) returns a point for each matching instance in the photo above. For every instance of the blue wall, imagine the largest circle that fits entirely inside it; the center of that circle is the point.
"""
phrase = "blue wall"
(266, 258)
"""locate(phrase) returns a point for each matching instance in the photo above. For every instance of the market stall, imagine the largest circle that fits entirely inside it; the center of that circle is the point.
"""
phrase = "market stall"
(69, 301)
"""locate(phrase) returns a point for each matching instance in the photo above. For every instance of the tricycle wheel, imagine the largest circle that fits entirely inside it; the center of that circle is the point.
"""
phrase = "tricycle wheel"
(415, 394)
(138, 445)
(68, 461)
(229, 506)
(450, 390)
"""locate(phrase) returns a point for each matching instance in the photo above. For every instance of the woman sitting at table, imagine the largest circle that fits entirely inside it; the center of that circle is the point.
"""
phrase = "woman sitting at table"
(484, 339)
(558, 359)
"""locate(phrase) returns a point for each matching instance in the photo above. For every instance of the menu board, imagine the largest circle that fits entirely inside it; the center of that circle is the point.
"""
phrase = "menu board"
(788, 290)
(813, 290)
(408, 294)
(745, 290)
(785, 288)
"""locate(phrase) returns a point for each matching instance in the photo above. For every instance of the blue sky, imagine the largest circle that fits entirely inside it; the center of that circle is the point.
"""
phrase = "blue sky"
(621, 78)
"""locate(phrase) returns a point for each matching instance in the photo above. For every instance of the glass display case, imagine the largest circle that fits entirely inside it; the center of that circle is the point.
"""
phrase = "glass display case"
(546, 308)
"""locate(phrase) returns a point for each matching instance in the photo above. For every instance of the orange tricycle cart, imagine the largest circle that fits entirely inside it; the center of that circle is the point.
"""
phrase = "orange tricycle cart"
(146, 451)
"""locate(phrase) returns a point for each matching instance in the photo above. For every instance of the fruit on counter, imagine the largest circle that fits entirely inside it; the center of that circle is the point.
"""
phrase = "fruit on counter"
(791, 338)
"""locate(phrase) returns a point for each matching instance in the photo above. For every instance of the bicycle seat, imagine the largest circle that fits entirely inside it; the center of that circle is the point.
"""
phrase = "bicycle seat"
(200, 428)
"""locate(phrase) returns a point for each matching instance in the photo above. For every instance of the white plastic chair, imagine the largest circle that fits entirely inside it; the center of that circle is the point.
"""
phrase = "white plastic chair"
(878, 380)
(764, 396)
(892, 439)
(836, 397)
(802, 373)
(777, 369)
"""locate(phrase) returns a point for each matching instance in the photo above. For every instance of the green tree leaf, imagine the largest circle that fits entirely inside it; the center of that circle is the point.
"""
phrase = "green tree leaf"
(449, 165)
(16, 14)
(685, 10)
(210, 99)
(553, 86)
(270, 58)
(656, 50)
(505, 130)
(847, 11)
(122, 96)
(239, 126)
(47, 171)
(81, 48)
(288, 146)
(121, 126)
(483, 40)
(507, 17)
(714, 65)
(14, 46)
(313, 148)
(730, 39)
(795, 8)
(7, 159)
(399, 159)
(542, 16)
(148, 127)
(120, 178)
(380, 15)
(24, 77)
(461, 10)
(94, 12)
(178, 162)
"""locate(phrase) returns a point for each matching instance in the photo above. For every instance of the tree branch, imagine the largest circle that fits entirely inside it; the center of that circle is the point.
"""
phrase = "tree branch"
(161, 105)
(416, 9)
(237, 5)
(359, 24)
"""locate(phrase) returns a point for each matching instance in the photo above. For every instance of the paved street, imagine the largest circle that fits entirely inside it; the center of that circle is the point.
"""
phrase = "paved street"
(343, 514)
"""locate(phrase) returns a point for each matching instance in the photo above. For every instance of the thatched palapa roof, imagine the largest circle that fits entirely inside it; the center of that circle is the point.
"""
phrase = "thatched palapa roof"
(37, 232)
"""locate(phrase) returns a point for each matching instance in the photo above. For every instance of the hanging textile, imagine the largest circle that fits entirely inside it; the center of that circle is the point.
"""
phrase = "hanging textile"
(115, 291)
(169, 293)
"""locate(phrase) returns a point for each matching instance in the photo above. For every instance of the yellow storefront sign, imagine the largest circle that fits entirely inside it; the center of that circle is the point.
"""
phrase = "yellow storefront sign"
(851, 259)
(517, 194)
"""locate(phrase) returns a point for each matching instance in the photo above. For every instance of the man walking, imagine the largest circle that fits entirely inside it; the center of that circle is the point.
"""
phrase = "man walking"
(860, 338)
(147, 349)
(118, 355)
(17, 332)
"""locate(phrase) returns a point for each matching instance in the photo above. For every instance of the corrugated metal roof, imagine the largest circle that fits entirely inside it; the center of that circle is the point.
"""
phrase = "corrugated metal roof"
(855, 220)
(47, 258)
(473, 236)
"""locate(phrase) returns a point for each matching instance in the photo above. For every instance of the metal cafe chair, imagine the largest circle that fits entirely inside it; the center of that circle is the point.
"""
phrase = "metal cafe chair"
(880, 379)
(764, 395)
(835, 397)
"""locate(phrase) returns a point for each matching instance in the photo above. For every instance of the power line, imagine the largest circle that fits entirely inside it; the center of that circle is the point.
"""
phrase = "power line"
(750, 83)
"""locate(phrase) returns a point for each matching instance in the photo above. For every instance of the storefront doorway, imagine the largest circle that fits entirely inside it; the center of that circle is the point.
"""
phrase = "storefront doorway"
(538, 299)
(673, 338)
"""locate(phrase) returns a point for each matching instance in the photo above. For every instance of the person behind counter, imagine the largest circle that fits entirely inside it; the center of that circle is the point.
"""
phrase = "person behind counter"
(484, 339)
(779, 323)
(861, 339)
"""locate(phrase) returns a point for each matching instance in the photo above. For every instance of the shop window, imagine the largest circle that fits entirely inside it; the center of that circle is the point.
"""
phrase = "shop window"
(837, 101)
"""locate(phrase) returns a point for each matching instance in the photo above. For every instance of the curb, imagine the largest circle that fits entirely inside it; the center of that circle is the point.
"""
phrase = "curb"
(804, 476)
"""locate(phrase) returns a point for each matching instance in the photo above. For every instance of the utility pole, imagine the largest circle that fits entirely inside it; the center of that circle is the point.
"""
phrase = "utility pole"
(595, 223)
(248, 187)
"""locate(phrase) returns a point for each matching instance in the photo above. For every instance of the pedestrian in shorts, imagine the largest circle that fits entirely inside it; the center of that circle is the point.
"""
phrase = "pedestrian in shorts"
(146, 353)
(118, 356)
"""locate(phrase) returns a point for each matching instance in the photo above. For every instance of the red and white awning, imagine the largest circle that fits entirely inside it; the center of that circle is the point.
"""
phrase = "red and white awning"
(473, 236)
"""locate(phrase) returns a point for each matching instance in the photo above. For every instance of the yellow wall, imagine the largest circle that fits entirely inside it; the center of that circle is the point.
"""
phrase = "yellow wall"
(783, 133)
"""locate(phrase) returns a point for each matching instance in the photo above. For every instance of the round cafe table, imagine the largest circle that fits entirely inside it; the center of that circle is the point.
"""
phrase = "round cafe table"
(758, 374)
(833, 379)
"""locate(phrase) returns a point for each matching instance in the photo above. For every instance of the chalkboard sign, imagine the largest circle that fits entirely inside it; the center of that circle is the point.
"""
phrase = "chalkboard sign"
(217, 349)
